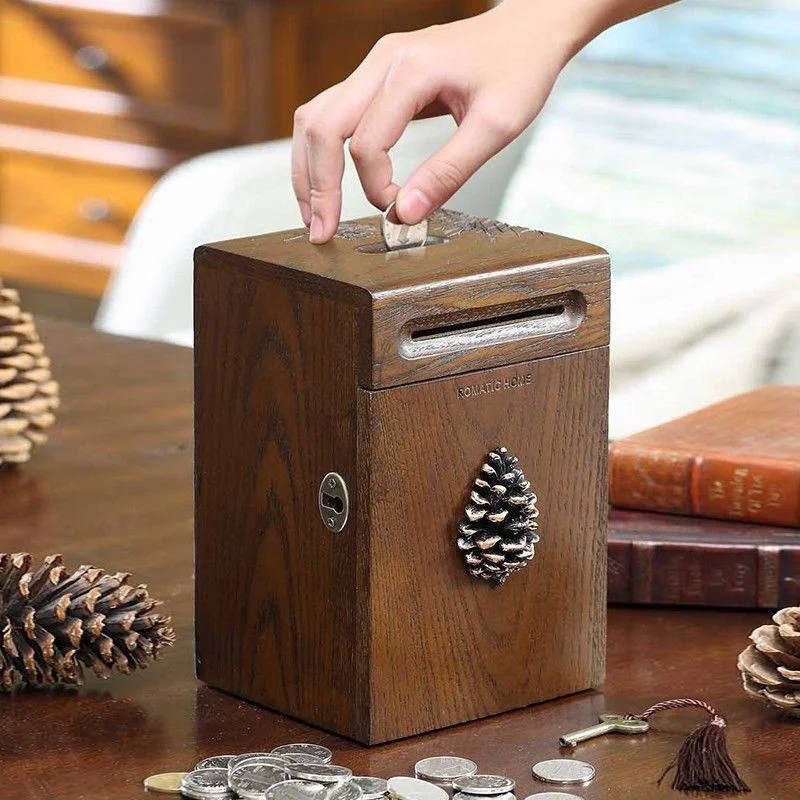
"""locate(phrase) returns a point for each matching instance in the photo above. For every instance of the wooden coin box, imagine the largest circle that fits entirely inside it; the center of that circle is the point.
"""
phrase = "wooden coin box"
(343, 386)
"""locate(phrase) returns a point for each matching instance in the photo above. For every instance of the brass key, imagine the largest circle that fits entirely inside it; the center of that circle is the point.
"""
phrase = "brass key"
(609, 723)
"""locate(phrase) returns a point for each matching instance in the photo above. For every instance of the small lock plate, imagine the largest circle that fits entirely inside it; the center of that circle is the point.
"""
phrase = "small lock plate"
(334, 503)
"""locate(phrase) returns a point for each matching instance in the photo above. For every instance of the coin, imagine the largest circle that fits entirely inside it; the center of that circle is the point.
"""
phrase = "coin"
(320, 773)
(236, 760)
(465, 796)
(249, 778)
(443, 770)
(484, 784)
(372, 788)
(346, 790)
(404, 788)
(166, 782)
(553, 796)
(296, 790)
(273, 761)
(205, 782)
(397, 236)
(563, 770)
(214, 762)
(198, 795)
(301, 758)
(312, 752)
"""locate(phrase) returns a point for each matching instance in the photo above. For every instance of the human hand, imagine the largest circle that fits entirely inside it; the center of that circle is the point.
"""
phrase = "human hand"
(492, 72)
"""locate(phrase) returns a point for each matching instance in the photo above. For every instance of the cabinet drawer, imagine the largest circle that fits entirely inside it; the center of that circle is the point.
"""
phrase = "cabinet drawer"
(70, 198)
(56, 263)
(160, 69)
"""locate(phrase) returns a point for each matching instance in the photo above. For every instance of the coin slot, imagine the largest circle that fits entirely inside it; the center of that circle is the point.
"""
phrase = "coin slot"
(476, 325)
(335, 503)
(380, 247)
(551, 315)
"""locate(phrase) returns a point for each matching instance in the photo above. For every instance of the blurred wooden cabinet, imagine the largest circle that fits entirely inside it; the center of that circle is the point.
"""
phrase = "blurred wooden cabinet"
(99, 97)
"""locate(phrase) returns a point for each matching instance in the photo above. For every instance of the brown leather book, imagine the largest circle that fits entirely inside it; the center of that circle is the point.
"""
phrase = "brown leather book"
(665, 559)
(738, 459)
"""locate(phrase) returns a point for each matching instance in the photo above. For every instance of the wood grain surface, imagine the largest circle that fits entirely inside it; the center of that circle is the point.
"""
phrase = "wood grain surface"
(113, 487)
(286, 336)
(444, 646)
(487, 296)
(275, 398)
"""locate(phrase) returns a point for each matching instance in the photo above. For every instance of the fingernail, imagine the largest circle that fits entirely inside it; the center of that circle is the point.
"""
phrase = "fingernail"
(317, 230)
(413, 206)
(305, 212)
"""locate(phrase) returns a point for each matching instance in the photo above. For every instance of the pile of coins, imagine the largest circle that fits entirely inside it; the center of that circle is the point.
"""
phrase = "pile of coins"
(289, 772)
(305, 772)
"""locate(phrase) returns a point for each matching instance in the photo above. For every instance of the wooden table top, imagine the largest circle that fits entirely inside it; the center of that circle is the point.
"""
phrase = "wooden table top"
(113, 488)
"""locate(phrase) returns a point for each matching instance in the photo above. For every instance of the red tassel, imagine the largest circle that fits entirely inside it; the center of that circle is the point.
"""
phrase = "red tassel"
(703, 763)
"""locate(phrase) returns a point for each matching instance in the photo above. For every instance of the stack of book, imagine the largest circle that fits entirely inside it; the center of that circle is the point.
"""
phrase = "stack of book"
(705, 510)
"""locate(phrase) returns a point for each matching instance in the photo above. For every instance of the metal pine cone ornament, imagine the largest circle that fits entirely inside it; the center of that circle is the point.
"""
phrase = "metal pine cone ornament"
(53, 623)
(498, 532)
(28, 393)
(770, 666)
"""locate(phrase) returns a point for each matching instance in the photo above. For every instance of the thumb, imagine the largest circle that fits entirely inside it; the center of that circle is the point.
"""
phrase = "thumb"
(475, 141)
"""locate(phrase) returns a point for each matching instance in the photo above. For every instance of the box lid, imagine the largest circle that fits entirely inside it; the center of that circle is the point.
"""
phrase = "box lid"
(480, 294)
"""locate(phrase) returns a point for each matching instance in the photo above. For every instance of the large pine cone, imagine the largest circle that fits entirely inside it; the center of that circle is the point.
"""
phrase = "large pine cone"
(498, 533)
(770, 666)
(28, 393)
(53, 622)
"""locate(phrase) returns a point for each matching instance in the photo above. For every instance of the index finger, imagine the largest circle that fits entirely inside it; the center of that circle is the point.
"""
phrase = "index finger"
(388, 115)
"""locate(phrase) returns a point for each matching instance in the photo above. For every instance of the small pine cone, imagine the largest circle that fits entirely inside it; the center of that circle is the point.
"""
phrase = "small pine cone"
(28, 393)
(498, 532)
(52, 623)
(770, 666)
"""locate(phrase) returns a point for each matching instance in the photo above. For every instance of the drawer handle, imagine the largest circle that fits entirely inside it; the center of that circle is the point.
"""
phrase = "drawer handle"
(91, 58)
(94, 209)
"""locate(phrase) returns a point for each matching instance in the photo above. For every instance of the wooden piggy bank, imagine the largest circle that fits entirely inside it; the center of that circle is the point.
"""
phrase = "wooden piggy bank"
(401, 473)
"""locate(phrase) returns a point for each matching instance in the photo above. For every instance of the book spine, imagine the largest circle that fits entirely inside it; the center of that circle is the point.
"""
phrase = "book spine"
(649, 479)
(713, 485)
(746, 491)
(717, 575)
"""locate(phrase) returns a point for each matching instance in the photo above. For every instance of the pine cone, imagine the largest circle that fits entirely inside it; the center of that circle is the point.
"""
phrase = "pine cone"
(53, 622)
(498, 533)
(28, 394)
(770, 666)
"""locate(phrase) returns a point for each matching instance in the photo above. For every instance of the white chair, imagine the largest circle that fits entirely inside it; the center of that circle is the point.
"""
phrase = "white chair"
(245, 191)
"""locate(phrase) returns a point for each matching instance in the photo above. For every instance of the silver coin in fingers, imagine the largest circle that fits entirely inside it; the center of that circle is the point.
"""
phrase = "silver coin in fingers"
(397, 235)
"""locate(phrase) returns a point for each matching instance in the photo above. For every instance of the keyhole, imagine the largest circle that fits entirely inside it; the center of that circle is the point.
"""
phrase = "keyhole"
(335, 503)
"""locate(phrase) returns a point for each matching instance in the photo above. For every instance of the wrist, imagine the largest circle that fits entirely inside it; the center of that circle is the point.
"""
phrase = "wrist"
(571, 24)
(562, 27)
